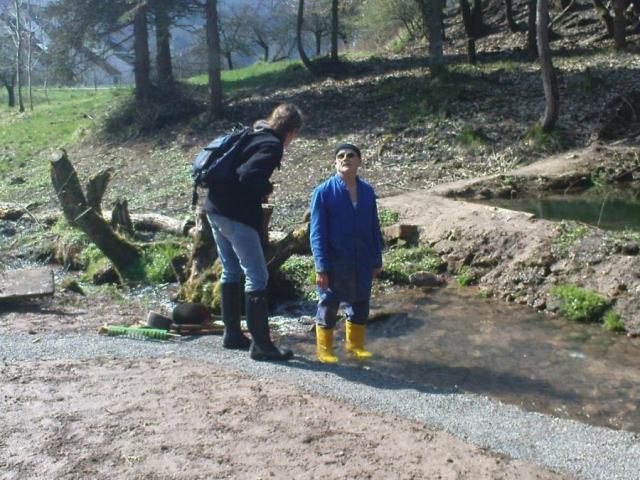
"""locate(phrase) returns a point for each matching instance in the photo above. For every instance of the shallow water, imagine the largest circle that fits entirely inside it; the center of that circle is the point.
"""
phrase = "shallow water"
(609, 209)
(452, 340)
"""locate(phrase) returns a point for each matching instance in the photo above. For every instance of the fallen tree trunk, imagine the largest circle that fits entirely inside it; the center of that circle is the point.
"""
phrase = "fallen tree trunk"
(123, 254)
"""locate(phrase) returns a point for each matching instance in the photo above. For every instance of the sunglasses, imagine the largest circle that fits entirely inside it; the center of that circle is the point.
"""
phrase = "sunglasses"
(343, 155)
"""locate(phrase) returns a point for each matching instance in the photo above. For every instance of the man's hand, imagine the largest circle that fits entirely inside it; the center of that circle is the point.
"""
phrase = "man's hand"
(375, 272)
(322, 280)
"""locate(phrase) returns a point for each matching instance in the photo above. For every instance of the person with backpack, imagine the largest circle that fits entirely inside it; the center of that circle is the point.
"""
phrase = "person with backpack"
(346, 243)
(234, 210)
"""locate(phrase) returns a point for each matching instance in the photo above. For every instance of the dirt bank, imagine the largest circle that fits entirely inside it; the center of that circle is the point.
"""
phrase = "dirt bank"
(520, 258)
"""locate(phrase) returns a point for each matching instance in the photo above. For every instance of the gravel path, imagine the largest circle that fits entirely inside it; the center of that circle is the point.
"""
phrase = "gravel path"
(563, 445)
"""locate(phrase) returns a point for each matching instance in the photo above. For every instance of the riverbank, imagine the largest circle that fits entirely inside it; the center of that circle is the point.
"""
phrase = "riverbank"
(519, 258)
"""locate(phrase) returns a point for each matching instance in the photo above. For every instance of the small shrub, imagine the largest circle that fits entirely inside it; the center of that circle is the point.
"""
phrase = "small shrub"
(571, 233)
(472, 136)
(465, 277)
(536, 138)
(400, 263)
(387, 217)
(613, 322)
(157, 262)
(300, 270)
(579, 304)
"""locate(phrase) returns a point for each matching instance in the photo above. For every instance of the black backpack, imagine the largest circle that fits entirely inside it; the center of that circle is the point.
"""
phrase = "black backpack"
(216, 163)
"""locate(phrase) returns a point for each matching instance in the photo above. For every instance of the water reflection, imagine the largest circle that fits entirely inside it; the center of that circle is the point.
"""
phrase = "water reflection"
(612, 209)
(456, 342)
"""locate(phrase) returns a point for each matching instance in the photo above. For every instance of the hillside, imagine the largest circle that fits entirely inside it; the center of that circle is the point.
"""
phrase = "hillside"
(415, 131)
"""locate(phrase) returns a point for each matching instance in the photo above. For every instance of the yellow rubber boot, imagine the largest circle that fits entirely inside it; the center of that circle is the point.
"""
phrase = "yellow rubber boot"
(324, 345)
(355, 341)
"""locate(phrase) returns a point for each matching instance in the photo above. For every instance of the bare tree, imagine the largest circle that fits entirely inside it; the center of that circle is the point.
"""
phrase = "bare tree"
(549, 80)
(431, 11)
(213, 57)
(619, 23)
(142, 65)
(299, 27)
(334, 30)
(17, 30)
(474, 26)
(513, 26)
(163, 41)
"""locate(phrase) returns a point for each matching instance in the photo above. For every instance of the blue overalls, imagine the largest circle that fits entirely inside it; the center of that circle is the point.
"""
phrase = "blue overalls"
(347, 244)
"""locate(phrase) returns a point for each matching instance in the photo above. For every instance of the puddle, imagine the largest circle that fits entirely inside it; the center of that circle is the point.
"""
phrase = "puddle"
(454, 341)
(612, 210)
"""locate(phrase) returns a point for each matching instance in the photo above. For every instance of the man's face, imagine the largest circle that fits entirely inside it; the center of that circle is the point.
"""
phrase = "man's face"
(347, 161)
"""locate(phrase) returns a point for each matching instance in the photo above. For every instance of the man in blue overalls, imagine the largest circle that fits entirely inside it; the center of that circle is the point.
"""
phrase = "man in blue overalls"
(347, 251)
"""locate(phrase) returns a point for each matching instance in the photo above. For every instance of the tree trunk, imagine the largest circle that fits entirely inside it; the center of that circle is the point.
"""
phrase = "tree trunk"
(141, 50)
(431, 12)
(334, 30)
(18, 7)
(469, 30)
(604, 15)
(213, 60)
(96, 186)
(124, 255)
(163, 43)
(619, 24)
(11, 94)
(318, 38)
(227, 55)
(513, 26)
(29, 69)
(549, 80)
(121, 218)
(532, 48)
(299, 24)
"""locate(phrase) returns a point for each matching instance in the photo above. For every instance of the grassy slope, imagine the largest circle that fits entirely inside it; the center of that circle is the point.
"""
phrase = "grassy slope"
(62, 117)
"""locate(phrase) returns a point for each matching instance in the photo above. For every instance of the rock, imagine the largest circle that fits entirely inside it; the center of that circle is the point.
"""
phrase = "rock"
(71, 285)
(632, 248)
(392, 234)
(425, 279)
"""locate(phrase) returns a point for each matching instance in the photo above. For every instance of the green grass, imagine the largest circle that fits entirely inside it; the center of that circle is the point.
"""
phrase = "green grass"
(580, 304)
(465, 277)
(300, 270)
(613, 322)
(399, 263)
(63, 119)
(548, 142)
(259, 75)
(571, 233)
(388, 217)
(472, 136)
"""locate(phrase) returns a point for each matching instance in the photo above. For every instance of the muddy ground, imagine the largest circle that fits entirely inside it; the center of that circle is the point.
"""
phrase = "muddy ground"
(184, 419)
(180, 419)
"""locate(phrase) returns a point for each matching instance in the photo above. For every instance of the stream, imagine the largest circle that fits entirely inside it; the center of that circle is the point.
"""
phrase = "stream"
(452, 340)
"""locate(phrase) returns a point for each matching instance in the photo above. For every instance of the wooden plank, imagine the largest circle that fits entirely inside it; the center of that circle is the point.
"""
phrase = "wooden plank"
(28, 283)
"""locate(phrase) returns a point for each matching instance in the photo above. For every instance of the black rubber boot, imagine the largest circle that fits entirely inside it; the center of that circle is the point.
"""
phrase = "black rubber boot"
(230, 301)
(258, 322)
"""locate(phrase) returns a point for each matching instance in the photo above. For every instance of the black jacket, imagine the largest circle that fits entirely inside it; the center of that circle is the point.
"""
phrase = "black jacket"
(241, 199)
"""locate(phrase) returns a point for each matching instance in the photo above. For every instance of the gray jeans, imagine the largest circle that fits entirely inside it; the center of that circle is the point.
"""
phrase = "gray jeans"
(240, 251)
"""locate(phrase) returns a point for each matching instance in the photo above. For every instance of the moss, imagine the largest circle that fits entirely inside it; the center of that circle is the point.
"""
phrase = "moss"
(613, 322)
(400, 263)
(580, 304)
(388, 217)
